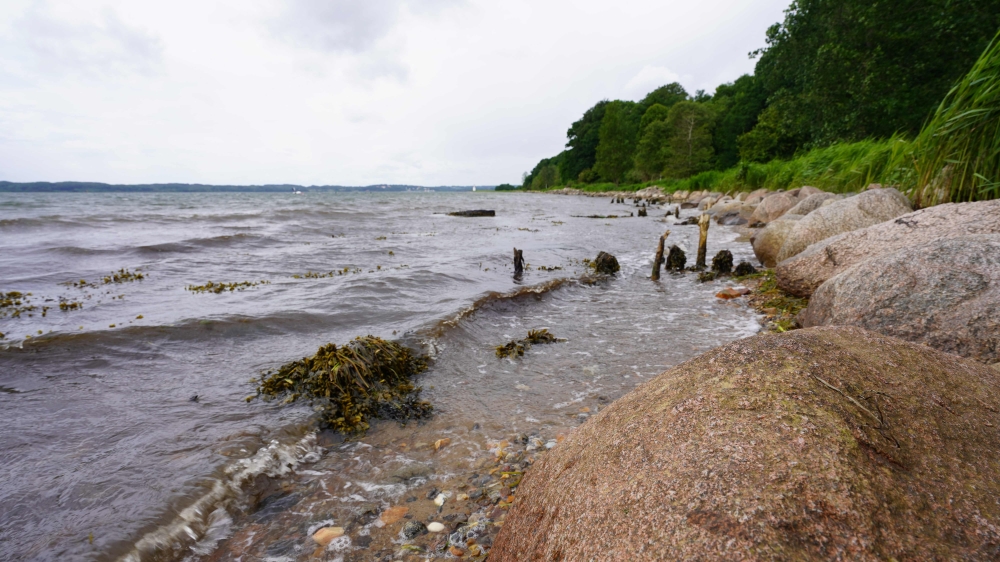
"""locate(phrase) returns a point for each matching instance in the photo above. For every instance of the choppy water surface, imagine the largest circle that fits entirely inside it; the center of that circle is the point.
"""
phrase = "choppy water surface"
(105, 455)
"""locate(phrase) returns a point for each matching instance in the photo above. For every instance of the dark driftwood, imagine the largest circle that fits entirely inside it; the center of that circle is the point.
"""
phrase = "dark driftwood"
(703, 222)
(659, 257)
(518, 262)
(475, 213)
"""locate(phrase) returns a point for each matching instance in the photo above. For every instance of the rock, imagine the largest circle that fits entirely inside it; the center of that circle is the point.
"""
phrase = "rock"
(807, 191)
(813, 202)
(435, 527)
(747, 210)
(413, 529)
(741, 196)
(730, 218)
(756, 196)
(815, 444)
(731, 293)
(725, 206)
(325, 536)
(768, 242)
(706, 276)
(476, 213)
(455, 551)
(441, 443)
(866, 209)
(802, 274)
(773, 207)
(410, 471)
(393, 514)
(744, 268)
(722, 263)
(944, 294)
(706, 203)
(606, 263)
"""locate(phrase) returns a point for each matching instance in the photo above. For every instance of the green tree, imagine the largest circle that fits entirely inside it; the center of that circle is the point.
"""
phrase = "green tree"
(583, 137)
(656, 112)
(664, 95)
(547, 177)
(653, 149)
(737, 104)
(617, 141)
(853, 69)
(689, 146)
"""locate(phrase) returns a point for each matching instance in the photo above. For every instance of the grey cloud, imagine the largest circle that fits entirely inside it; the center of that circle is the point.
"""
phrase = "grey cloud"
(44, 44)
(357, 27)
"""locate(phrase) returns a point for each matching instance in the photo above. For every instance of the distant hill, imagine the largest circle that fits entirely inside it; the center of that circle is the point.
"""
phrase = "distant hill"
(94, 187)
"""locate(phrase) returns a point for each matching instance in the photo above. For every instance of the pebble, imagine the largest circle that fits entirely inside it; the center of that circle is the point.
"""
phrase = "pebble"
(455, 551)
(439, 501)
(413, 529)
(326, 535)
(393, 514)
(440, 443)
(435, 527)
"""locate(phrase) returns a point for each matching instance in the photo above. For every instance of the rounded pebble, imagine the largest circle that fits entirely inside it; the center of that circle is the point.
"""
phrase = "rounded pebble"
(326, 535)
(435, 527)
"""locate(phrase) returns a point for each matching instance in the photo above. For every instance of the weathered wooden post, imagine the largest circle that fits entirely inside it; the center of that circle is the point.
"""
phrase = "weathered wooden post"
(703, 222)
(677, 211)
(518, 263)
(659, 257)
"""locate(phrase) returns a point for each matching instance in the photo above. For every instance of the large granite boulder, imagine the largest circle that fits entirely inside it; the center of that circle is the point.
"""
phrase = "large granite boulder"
(769, 241)
(818, 444)
(773, 207)
(757, 195)
(862, 210)
(803, 273)
(812, 202)
(945, 294)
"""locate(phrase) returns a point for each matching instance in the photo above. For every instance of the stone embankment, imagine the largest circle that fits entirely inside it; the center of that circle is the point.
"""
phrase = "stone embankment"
(817, 444)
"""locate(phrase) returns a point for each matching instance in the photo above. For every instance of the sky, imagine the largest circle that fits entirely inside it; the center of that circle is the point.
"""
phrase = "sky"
(338, 92)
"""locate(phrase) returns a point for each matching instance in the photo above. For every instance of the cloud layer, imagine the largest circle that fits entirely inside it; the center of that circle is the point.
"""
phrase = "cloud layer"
(337, 91)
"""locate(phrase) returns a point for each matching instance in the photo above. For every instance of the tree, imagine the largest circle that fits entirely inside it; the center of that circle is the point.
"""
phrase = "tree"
(547, 177)
(653, 149)
(737, 106)
(666, 96)
(854, 69)
(690, 142)
(656, 112)
(583, 137)
(617, 141)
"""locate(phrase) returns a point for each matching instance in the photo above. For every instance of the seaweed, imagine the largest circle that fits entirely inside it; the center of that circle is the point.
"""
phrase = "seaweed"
(780, 308)
(352, 384)
(518, 347)
(14, 303)
(123, 276)
(217, 288)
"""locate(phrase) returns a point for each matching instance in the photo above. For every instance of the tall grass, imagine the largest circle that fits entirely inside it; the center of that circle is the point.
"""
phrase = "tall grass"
(956, 156)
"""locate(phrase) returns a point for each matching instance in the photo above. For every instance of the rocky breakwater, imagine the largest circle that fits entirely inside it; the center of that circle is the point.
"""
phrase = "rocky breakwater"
(817, 444)
(802, 274)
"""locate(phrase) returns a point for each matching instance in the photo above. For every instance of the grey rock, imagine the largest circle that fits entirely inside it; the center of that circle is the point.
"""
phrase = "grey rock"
(812, 202)
(768, 242)
(773, 207)
(730, 218)
(410, 471)
(606, 263)
(413, 529)
(802, 274)
(867, 209)
(944, 294)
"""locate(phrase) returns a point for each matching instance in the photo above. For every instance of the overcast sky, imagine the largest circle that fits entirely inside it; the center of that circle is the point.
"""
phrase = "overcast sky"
(349, 92)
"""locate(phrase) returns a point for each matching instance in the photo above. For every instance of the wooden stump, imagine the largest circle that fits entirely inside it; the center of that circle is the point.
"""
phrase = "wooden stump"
(659, 257)
(518, 262)
(703, 222)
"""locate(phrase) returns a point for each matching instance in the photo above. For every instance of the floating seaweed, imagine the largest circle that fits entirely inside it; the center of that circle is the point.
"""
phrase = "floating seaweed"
(598, 216)
(518, 347)
(14, 303)
(217, 288)
(545, 268)
(123, 276)
(367, 378)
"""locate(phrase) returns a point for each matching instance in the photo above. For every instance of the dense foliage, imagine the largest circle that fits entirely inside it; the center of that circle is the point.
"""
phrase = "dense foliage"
(834, 74)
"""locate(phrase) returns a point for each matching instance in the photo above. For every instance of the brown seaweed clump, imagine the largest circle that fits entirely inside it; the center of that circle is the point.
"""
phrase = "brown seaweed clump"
(779, 308)
(518, 347)
(352, 384)
(217, 288)
(123, 276)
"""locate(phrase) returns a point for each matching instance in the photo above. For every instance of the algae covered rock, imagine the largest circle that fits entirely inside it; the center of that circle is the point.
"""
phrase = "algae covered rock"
(945, 294)
(803, 273)
(606, 263)
(817, 444)
(861, 211)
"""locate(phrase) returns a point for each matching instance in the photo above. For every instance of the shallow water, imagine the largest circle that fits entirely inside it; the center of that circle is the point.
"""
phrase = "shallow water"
(104, 448)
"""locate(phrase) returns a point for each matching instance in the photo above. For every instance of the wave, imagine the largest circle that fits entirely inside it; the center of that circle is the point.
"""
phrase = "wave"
(494, 297)
(195, 244)
(194, 522)
(53, 221)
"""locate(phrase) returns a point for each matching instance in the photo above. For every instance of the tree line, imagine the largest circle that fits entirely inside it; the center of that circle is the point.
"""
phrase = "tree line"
(832, 71)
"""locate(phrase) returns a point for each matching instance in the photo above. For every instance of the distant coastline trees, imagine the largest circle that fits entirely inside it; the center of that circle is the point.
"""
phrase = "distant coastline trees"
(833, 71)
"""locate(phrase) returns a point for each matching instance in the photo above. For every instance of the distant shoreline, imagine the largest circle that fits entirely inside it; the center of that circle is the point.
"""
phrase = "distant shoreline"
(96, 187)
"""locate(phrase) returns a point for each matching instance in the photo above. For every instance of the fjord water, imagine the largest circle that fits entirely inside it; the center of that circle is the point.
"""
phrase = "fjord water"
(103, 446)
